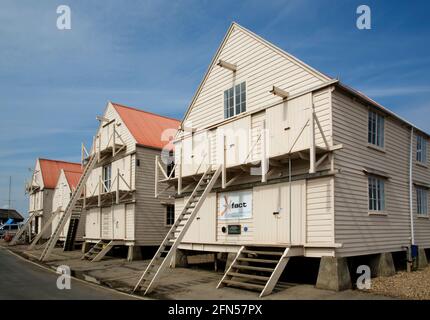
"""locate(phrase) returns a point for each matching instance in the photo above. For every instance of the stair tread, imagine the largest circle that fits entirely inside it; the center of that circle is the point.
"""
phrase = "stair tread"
(244, 284)
(274, 253)
(258, 260)
(249, 276)
(244, 267)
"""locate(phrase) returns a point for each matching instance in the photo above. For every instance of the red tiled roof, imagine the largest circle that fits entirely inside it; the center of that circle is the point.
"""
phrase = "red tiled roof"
(146, 127)
(51, 169)
(72, 178)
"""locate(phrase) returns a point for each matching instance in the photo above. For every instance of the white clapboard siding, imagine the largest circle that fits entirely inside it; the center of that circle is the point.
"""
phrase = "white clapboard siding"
(150, 213)
(359, 232)
(320, 211)
(260, 66)
(93, 223)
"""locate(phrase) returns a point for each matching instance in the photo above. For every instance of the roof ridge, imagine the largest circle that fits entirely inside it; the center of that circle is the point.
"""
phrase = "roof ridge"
(54, 160)
(144, 111)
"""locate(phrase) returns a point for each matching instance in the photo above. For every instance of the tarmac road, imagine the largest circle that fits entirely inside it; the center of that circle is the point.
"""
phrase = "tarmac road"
(21, 279)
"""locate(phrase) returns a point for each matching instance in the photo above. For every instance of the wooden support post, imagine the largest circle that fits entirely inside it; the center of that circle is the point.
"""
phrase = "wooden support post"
(113, 140)
(312, 142)
(117, 186)
(180, 171)
(264, 167)
(156, 177)
(224, 169)
(82, 154)
(100, 191)
(85, 197)
(100, 146)
(331, 159)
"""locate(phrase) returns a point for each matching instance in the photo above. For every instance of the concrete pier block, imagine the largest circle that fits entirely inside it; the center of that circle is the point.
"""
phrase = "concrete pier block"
(382, 265)
(333, 274)
(422, 259)
(134, 253)
(230, 259)
(180, 259)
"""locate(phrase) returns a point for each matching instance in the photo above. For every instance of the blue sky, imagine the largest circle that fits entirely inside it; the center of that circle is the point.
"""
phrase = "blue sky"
(153, 54)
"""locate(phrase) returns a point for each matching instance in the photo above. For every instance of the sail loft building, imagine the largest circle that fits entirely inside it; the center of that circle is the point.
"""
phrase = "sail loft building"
(275, 160)
(41, 189)
(118, 202)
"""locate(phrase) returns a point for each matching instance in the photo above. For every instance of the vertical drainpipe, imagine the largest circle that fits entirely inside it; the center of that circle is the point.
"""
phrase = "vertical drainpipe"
(410, 187)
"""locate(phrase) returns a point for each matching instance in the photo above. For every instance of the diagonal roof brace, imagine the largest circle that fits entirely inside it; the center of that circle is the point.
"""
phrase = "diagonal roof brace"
(227, 65)
(279, 92)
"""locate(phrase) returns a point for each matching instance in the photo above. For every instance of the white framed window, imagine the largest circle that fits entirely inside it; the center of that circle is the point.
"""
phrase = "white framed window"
(170, 214)
(107, 177)
(421, 149)
(422, 201)
(235, 100)
(376, 129)
(376, 193)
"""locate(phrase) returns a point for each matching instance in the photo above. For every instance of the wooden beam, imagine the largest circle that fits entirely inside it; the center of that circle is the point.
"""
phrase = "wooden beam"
(312, 148)
(320, 160)
(156, 177)
(102, 119)
(321, 131)
(279, 92)
(264, 164)
(224, 170)
(227, 65)
(117, 187)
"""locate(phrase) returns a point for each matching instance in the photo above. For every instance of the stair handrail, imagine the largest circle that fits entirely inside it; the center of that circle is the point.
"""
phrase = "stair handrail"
(175, 225)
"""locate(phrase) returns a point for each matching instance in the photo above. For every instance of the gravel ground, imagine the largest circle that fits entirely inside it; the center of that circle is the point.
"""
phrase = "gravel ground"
(404, 285)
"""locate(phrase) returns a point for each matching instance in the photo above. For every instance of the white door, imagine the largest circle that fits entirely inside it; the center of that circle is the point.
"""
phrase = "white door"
(119, 222)
(107, 232)
(274, 221)
(92, 224)
(206, 220)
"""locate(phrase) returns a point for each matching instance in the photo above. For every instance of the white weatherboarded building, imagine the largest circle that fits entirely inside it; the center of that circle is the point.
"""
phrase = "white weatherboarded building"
(41, 191)
(66, 184)
(119, 205)
(294, 164)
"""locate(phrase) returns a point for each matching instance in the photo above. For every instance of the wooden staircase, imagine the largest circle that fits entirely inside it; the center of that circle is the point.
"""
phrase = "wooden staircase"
(71, 208)
(44, 229)
(23, 230)
(69, 242)
(99, 250)
(165, 252)
(258, 268)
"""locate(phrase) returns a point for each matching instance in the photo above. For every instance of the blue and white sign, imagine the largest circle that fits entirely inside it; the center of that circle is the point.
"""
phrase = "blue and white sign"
(235, 205)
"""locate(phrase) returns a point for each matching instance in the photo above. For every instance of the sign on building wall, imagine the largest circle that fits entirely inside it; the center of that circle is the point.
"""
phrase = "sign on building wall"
(235, 205)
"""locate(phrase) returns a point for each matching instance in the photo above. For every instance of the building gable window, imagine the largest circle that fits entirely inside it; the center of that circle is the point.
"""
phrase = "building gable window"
(170, 214)
(421, 149)
(107, 177)
(235, 100)
(422, 201)
(376, 193)
(376, 129)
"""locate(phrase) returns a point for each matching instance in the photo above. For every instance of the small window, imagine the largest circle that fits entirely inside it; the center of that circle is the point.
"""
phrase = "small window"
(421, 149)
(170, 164)
(376, 129)
(235, 100)
(170, 214)
(107, 177)
(422, 201)
(376, 194)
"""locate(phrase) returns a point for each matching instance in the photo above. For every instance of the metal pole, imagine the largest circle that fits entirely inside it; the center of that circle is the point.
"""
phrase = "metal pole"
(9, 201)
